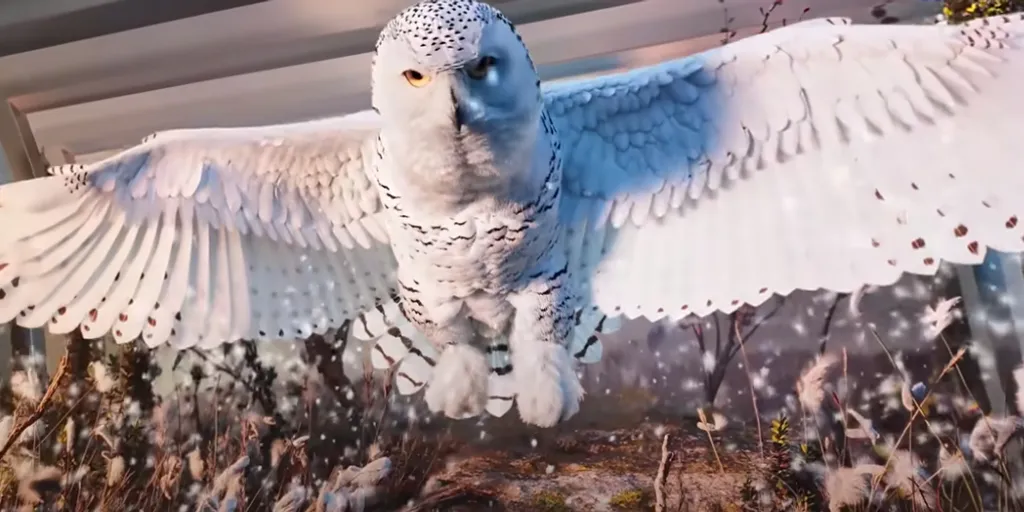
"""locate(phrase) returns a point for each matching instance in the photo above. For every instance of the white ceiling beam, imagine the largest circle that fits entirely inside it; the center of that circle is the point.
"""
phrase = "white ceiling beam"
(560, 47)
(21, 11)
(182, 49)
(246, 39)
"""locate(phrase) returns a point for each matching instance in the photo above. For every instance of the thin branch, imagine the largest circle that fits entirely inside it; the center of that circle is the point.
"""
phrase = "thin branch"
(826, 329)
(449, 495)
(718, 336)
(766, 14)
(238, 377)
(757, 325)
(764, 319)
(714, 450)
(329, 360)
(726, 24)
(750, 382)
(659, 479)
(698, 332)
(950, 366)
(16, 433)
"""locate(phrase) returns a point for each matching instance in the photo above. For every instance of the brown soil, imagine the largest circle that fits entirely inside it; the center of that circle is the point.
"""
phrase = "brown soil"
(591, 470)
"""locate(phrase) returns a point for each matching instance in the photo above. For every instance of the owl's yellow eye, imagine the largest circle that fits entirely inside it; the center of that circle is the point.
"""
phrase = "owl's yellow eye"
(415, 78)
(480, 69)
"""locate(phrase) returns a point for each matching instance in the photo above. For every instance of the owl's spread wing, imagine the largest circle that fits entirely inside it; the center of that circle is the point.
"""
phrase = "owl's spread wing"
(821, 155)
(199, 237)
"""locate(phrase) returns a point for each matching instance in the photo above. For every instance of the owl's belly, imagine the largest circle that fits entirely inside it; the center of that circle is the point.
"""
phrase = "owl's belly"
(469, 258)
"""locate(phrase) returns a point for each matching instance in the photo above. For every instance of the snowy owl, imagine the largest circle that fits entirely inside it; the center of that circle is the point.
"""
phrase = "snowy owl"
(481, 226)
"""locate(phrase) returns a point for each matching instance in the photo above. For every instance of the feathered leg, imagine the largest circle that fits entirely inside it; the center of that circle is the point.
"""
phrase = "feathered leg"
(548, 389)
(459, 383)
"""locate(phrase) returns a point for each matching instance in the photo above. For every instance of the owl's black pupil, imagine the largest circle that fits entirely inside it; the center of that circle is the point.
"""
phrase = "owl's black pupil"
(482, 65)
(414, 75)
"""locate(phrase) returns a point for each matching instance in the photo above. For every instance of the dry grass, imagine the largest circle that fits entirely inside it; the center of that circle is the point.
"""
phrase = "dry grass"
(237, 435)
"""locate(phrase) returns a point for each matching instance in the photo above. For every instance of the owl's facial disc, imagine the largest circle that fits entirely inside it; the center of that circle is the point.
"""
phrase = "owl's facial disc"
(453, 63)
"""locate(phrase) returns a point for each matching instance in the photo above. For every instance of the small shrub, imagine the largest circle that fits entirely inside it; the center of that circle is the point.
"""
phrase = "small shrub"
(959, 11)
(634, 499)
(550, 501)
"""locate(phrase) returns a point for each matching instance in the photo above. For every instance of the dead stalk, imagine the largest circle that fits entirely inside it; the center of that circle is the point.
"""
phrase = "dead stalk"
(659, 480)
(714, 450)
(51, 389)
(750, 382)
(952, 365)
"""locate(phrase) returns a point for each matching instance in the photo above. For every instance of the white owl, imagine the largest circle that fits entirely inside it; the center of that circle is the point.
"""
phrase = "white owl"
(481, 226)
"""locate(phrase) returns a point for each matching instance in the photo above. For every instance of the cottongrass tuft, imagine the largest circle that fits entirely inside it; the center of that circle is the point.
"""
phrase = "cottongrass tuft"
(115, 470)
(293, 501)
(1018, 379)
(990, 436)
(906, 476)
(952, 464)
(224, 494)
(196, 465)
(25, 385)
(810, 387)
(101, 377)
(34, 480)
(849, 486)
(937, 318)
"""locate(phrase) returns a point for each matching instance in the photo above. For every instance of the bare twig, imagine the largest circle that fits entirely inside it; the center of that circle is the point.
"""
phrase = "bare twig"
(328, 358)
(447, 495)
(757, 325)
(764, 319)
(16, 432)
(766, 14)
(952, 365)
(250, 385)
(734, 339)
(718, 338)
(826, 329)
(750, 382)
(659, 479)
(714, 450)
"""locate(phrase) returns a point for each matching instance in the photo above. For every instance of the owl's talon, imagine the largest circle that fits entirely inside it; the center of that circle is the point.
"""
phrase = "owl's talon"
(459, 384)
(548, 388)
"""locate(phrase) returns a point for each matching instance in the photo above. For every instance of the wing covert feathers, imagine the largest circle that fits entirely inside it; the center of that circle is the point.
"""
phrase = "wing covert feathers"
(821, 155)
(199, 237)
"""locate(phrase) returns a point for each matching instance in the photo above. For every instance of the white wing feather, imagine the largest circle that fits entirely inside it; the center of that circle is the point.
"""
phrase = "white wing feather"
(821, 155)
(199, 237)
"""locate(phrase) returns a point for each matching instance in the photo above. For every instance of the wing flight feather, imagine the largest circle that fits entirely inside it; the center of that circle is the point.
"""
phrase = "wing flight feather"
(199, 237)
(820, 155)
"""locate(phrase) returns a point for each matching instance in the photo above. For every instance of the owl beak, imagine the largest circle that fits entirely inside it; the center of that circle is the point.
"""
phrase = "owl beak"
(467, 111)
(458, 114)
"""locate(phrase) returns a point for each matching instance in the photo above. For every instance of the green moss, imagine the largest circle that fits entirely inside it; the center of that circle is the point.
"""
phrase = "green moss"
(959, 11)
(633, 499)
(550, 501)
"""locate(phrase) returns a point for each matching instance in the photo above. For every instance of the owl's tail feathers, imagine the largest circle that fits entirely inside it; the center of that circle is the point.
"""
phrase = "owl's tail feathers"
(376, 322)
(501, 392)
(585, 345)
(403, 345)
(397, 342)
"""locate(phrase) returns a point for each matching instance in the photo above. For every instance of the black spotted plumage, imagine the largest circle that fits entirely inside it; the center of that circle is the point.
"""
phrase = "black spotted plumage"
(473, 251)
